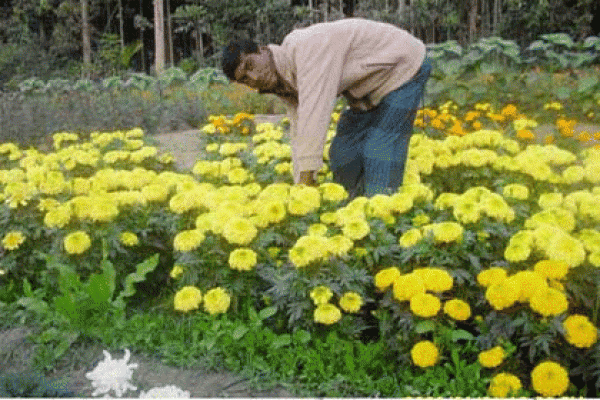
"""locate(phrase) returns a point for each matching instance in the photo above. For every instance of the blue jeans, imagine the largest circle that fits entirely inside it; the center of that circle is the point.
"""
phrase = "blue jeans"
(368, 153)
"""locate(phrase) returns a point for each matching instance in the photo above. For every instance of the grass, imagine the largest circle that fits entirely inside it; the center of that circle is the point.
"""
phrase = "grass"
(319, 365)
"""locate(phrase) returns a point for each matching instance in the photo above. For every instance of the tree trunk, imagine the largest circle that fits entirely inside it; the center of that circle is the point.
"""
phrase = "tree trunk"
(473, 20)
(159, 37)
(496, 17)
(85, 33)
(170, 35)
(121, 29)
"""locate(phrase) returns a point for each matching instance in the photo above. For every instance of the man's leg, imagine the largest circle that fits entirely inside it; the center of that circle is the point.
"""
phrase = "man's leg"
(345, 154)
(386, 147)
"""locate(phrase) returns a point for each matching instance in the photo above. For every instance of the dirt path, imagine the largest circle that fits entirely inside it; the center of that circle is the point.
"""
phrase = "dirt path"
(16, 355)
(187, 145)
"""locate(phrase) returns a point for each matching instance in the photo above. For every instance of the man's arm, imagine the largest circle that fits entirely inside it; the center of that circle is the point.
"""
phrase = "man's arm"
(307, 178)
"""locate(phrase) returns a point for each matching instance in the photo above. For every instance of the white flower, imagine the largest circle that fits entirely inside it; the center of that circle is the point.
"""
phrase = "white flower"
(112, 374)
(165, 391)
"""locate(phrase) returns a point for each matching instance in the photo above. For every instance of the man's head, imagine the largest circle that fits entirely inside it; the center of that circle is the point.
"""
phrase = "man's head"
(246, 62)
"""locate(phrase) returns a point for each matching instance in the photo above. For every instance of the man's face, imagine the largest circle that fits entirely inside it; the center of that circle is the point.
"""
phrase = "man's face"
(257, 70)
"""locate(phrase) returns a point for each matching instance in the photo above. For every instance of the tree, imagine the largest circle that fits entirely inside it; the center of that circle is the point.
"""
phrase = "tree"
(85, 34)
(159, 36)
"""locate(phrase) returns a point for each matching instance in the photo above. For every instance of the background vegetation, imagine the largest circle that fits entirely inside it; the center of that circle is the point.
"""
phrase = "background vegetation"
(52, 39)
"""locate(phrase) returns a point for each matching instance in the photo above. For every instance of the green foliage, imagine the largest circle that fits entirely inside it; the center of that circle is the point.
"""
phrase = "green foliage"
(32, 384)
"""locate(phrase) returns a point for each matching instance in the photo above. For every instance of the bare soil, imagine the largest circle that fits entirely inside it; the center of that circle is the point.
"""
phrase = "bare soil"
(16, 354)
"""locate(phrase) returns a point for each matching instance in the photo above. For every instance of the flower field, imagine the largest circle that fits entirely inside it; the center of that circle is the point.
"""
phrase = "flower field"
(487, 256)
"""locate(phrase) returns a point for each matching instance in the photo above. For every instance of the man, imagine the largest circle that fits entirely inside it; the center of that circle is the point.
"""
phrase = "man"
(379, 68)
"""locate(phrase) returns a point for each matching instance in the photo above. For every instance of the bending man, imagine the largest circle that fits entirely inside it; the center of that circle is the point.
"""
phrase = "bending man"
(382, 71)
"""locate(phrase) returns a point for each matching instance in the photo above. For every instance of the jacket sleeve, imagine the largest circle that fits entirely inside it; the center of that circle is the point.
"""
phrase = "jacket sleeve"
(319, 70)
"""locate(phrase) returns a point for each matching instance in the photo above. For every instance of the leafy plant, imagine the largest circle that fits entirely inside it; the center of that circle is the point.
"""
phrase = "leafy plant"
(32, 384)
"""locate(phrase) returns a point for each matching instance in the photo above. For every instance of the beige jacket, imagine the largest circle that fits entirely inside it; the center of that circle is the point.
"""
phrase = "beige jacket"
(360, 59)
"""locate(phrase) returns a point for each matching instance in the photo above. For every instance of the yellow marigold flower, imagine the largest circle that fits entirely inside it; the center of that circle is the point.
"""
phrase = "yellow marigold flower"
(386, 277)
(401, 202)
(435, 279)
(360, 252)
(300, 256)
(424, 354)
(356, 229)
(187, 298)
(492, 358)
(410, 237)
(509, 111)
(566, 248)
(551, 269)
(129, 239)
(525, 134)
(321, 295)
(516, 191)
(333, 192)
(503, 294)
(516, 252)
(594, 259)
(339, 245)
(188, 240)
(242, 259)
(329, 218)
(351, 302)
(549, 200)
(406, 286)
(317, 230)
(77, 242)
(420, 219)
(579, 331)
(550, 379)
(239, 231)
(549, 302)
(327, 314)
(425, 305)
(12, 240)
(457, 309)
(176, 271)
(300, 207)
(530, 282)
(504, 385)
(216, 301)
(466, 211)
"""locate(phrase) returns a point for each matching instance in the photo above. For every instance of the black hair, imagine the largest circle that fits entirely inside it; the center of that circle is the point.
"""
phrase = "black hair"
(232, 53)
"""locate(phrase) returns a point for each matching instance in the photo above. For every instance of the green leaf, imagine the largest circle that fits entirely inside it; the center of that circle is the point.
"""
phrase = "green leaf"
(65, 305)
(267, 312)
(562, 92)
(561, 39)
(98, 289)
(302, 336)
(592, 42)
(587, 84)
(112, 82)
(139, 275)
(282, 341)
(538, 45)
(239, 332)
(460, 334)
(32, 304)
(425, 326)
(68, 279)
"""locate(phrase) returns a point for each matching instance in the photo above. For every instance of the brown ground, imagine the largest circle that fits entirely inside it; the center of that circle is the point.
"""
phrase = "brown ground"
(16, 355)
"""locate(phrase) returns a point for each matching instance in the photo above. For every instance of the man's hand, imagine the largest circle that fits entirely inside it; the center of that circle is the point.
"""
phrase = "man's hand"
(307, 178)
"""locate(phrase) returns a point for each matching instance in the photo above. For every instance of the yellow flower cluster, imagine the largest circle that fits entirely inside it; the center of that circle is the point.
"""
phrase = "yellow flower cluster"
(241, 123)
(188, 298)
(533, 287)
(327, 313)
